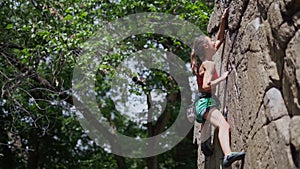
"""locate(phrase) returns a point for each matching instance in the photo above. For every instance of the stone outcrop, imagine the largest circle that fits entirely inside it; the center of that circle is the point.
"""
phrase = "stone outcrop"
(262, 50)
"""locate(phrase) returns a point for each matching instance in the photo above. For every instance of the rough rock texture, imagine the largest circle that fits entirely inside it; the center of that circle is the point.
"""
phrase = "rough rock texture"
(262, 49)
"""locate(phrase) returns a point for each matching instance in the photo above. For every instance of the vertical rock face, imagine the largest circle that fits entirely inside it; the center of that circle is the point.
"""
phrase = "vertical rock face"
(262, 49)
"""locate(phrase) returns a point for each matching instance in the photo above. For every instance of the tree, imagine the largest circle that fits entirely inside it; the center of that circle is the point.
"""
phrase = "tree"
(39, 45)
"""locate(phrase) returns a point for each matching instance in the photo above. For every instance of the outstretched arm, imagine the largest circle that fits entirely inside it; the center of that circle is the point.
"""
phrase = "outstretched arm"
(208, 83)
(219, 79)
(221, 31)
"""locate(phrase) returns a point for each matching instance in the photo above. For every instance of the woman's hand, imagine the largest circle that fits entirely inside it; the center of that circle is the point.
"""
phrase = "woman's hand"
(225, 75)
(225, 13)
(220, 79)
(221, 31)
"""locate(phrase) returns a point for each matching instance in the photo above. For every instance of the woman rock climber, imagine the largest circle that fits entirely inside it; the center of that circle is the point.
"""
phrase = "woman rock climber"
(207, 79)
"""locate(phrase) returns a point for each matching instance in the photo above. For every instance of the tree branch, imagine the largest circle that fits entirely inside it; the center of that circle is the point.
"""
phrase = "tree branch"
(69, 99)
(24, 69)
(9, 45)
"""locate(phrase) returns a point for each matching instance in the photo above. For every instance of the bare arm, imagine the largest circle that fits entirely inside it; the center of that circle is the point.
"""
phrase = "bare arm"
(221, 31)
(208, 74)
(208, 83)
(220, 79)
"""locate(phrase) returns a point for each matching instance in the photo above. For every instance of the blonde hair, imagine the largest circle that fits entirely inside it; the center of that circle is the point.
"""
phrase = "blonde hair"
(198, 50)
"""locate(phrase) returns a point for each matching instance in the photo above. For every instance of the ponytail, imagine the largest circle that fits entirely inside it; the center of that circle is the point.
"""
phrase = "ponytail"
(198, 50)
(193, 61)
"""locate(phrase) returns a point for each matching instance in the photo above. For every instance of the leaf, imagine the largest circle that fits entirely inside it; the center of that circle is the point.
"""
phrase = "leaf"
(68, 17)
(9, 26)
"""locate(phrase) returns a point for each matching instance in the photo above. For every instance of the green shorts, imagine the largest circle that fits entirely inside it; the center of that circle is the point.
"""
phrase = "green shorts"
(203, 105)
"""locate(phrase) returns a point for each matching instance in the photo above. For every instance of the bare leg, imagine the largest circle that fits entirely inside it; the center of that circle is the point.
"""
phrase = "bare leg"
(215, 117)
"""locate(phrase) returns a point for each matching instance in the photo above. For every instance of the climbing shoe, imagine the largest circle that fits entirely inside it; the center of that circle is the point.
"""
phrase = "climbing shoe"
(232, 157)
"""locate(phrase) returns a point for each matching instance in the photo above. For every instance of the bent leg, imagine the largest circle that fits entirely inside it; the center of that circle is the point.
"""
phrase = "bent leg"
(215, 117)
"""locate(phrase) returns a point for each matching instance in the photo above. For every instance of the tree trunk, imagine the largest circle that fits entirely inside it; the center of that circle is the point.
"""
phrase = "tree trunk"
(152, 162)
(121, 162)
(6, 155)
(33, 158)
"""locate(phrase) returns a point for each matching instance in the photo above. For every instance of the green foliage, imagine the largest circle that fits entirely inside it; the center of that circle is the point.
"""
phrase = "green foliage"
(40, 43)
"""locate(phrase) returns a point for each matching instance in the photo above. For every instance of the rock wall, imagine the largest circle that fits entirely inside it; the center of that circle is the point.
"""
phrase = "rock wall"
(262, 49)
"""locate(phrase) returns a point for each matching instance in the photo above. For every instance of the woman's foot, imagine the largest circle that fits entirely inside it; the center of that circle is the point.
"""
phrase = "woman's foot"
(232, 157)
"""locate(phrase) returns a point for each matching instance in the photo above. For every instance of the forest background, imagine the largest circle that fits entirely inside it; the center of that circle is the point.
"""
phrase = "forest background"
(40, 42)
